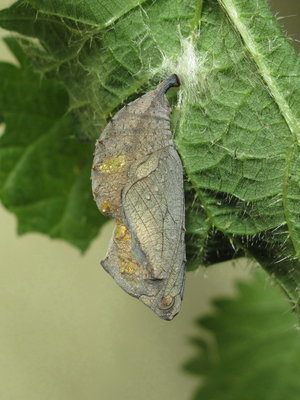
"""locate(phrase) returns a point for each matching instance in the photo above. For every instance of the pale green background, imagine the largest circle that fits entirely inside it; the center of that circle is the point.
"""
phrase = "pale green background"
(68, 332)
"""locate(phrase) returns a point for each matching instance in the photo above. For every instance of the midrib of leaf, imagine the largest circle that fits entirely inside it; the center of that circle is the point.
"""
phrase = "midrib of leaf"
(259, 59)
(100, 27)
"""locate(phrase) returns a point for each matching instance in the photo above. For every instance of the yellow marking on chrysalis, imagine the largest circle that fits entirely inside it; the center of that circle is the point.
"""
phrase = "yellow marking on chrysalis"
(128, 267)
(112, 165)
(122, 232)
(106, 207)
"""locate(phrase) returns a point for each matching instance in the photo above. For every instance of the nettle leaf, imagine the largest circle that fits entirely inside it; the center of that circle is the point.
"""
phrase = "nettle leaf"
(236, 120)
(102, 64)
(44, 172)
(239, 138)
(250, 352)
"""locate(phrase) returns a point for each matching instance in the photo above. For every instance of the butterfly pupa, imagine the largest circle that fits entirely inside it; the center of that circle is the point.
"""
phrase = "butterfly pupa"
(137, 178)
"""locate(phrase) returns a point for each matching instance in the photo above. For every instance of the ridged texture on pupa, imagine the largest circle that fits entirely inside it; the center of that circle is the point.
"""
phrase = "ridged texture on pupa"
(137, 179)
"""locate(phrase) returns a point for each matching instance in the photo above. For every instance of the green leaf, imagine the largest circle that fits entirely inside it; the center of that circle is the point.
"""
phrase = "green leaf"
(101, 67)
(44, 171)
(239, 137)
(253, 354)
(237, 118)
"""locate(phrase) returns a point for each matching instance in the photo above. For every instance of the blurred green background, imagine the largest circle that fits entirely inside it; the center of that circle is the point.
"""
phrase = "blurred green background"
(67, 331)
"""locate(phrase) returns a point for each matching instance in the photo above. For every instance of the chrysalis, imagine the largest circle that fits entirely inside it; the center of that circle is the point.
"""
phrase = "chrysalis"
(137, 179)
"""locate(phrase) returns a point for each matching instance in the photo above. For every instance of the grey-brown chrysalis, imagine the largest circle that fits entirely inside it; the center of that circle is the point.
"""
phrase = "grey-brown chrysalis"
(137, 179)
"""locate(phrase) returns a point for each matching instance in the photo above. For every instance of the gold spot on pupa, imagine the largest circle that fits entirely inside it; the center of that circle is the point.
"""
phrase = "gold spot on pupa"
(112, 165)
(106, 207)
(128, 267)
(121, 232)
